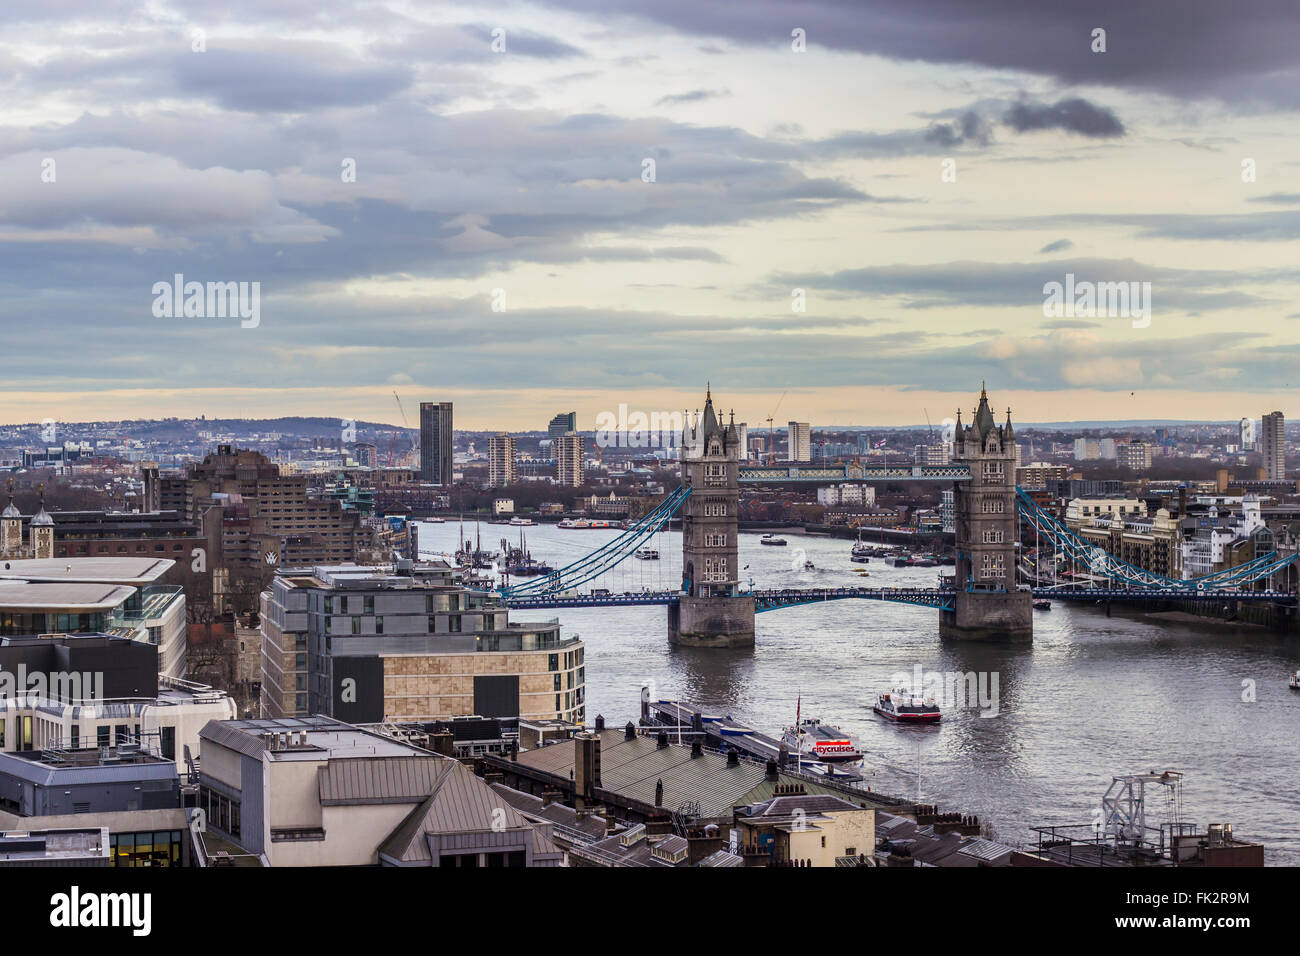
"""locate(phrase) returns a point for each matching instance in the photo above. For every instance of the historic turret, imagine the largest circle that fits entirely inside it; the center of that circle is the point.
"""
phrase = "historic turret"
(710, 613)
(987, 605)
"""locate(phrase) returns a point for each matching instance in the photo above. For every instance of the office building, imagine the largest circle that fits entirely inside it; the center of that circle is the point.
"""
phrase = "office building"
(68, 846)
(742, 430)
(562, 424)
(799, 441)
(1107, 450)
(255, 519)
(1273, 445)
(937, 454)
(1086, 449)
(319, 792)
(568, 459)
(370, 644)
(119, 596)
(1036, 474)
(435, 442)
(503, 466)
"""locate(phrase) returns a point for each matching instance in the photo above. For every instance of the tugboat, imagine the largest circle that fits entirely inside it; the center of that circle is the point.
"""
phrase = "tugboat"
(646, 554)
(773, 540)
(907, 708)
(861, 553)
(811, 740)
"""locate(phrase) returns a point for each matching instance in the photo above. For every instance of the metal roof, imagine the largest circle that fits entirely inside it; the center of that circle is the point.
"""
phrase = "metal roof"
(368, 780)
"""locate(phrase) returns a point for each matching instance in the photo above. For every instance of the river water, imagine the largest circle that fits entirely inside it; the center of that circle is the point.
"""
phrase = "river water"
(1093, 697)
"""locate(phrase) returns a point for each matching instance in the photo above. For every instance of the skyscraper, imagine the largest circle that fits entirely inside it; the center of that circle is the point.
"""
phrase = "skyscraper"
(1247, 428)
(561, 423)
(568, 459)
(799, 441)
(1274, 446)
(435, 442)
(502, 467)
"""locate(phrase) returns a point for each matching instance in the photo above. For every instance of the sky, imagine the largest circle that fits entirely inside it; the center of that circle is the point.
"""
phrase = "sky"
(835, 211)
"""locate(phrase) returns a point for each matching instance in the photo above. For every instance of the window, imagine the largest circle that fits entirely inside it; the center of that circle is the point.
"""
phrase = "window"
(993, 469)
(329, 604)
(101, 735)
(368, 604)
(379, 625)
(553, 663)
(715, 540)
(433, 625)
(715, 510)
(993, 537)
(992, 506)
(453, 623)
(356, 625)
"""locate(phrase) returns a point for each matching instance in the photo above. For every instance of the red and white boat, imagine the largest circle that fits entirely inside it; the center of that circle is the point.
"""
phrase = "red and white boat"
(811, 740)
(908, 708)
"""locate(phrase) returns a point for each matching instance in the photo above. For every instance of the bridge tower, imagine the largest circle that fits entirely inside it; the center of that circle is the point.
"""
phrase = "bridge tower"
(987, 605)
(710, 612)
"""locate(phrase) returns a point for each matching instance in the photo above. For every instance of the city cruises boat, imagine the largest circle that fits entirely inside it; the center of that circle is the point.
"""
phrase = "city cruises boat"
(810, 739)
(574, 523)
(646, 554)
(772, 539)
(600, 523)
(1042, 605)
(521, 522)
(432, 520)
(1294, 681)
(906, 708)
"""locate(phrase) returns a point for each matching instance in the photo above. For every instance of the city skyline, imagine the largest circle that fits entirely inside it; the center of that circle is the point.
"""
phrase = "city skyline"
(927, 185)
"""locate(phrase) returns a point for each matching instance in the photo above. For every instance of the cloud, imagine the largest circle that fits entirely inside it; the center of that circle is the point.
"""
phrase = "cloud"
(1060, 245)
(1074, 115)
(693, 96)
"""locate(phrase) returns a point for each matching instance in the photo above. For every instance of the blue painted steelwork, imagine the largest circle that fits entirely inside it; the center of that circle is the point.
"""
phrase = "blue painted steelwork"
(606, 557)
(839, 474)
(1102, 564)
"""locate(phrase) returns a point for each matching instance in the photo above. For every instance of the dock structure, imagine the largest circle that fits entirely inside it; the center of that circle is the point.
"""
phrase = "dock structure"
(721, 732)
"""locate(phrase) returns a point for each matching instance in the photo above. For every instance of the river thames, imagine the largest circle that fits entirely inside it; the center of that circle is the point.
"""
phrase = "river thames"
(1093, 697)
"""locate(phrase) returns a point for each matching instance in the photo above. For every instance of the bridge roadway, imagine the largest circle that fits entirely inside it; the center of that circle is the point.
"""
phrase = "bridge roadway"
(776, 598)
(837, 474)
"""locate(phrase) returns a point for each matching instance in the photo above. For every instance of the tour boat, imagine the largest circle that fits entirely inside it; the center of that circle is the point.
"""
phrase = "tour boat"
(772, 540)
(907, 708)
(1294, 681)
(521, 522)
(647, 554)
(1042, 605)
(574, 523)
(812, 740)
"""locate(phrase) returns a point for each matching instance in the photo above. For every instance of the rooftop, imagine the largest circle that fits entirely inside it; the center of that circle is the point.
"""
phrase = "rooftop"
(135, 571)
(304, 738)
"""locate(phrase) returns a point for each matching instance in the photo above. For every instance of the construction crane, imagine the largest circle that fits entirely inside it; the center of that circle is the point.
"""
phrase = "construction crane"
(771, 434)
(393, 443)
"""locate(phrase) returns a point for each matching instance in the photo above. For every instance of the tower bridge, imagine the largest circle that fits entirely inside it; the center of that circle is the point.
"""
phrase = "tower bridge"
(984, 603)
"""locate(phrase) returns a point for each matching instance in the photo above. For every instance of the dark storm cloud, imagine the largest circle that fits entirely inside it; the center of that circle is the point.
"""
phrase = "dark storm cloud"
(1190, 48)
(1075, 115)
(1060, 245)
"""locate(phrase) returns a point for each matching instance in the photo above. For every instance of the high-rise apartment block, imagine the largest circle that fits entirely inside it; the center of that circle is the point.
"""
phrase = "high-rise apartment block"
(1133, 454)
(799, 441)
(435, 442)
(1273, 446)
(568, 459)
(502, 461)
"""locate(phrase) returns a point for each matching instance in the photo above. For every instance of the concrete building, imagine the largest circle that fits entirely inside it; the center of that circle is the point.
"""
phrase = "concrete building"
(1273, 445)
(710, 612)
(936, 454)
(798, 441)
(1086, 449)
(118, 596)
(568, 460)
(1107, 449)
(987, 603)
(1038, 473)
(742, 431)
(503, 461)
(374, 644)
(319, 792)
(436, 442)
(255, 519)
(79, 847)
(1133, 454)
(846, 494)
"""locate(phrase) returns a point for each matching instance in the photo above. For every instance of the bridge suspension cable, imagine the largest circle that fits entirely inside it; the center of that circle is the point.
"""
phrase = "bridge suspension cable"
(1102, 563)
(606, 557)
